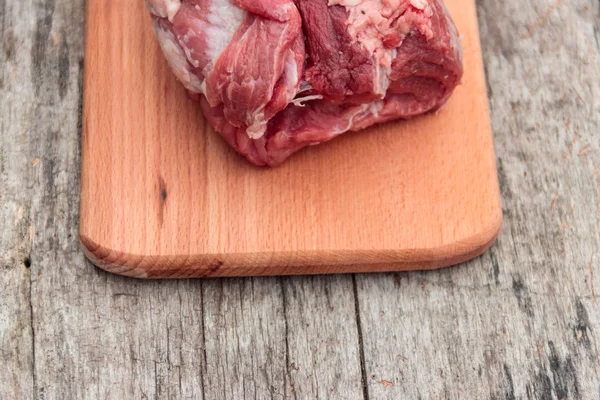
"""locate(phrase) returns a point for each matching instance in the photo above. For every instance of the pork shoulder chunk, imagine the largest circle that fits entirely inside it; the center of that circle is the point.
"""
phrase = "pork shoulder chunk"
(274, 76)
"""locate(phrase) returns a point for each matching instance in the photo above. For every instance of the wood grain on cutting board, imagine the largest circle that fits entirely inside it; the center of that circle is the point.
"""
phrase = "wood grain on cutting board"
(163, 195)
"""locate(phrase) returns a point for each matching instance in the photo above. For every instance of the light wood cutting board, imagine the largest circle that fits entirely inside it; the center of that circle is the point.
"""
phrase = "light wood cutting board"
(163, 196)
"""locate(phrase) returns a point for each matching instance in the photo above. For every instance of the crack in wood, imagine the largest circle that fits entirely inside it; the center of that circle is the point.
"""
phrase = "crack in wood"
(361, 349)
(287, 377)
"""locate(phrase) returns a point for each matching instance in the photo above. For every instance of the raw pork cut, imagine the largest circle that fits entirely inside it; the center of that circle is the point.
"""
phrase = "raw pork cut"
(273, 76)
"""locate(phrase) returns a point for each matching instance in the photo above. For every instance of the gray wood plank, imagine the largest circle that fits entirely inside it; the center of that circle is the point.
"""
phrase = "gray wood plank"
(245, 339)
(323, 338)
(17, 165)
(522, 321)
(281, 338)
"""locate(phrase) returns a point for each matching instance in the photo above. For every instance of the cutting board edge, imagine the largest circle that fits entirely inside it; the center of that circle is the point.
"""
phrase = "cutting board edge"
(286, 263)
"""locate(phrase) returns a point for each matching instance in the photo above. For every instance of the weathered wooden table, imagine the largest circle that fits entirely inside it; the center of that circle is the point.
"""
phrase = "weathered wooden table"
(522, 321)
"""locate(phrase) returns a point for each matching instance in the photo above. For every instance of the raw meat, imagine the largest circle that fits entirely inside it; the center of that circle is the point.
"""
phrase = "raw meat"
(273, 76)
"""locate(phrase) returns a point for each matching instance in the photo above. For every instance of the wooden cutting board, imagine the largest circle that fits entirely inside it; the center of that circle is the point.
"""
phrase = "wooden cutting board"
(163, 196)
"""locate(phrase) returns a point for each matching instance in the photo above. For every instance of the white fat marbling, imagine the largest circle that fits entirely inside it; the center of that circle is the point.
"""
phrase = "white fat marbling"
(223, 18)
(177, 60)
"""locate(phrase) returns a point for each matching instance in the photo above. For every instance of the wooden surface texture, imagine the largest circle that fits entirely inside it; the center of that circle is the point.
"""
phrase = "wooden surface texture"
(164, 196)
(521, 322)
